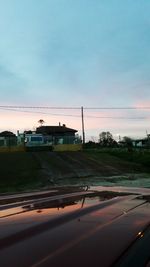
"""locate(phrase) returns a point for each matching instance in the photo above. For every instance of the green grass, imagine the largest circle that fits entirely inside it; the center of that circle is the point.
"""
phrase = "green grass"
(137, 157)
(18, 170)
(140, 157)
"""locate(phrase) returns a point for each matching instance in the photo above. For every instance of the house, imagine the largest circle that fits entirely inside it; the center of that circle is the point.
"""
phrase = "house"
(50, 138)
(136, 143)
(143, 142)
(58, 134)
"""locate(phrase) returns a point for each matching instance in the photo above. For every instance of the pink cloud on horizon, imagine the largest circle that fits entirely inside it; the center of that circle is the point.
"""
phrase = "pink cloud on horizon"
(14, 121)
(142, 104)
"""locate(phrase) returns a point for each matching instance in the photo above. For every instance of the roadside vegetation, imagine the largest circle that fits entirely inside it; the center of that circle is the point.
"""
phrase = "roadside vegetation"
(136, 156)
(140, 157)
(18, 171)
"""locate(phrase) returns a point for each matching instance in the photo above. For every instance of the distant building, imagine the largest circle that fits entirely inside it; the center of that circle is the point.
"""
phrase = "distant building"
(143, 142)
(48, 136)
(8, 138)
(58, 134)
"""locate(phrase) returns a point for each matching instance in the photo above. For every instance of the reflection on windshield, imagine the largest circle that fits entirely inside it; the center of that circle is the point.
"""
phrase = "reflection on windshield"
(61, 205)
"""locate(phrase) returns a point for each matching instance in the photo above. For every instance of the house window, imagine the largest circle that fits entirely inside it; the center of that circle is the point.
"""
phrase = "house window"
(36, 139)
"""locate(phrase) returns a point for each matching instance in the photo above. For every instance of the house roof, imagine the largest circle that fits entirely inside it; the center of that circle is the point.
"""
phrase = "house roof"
(55, 129)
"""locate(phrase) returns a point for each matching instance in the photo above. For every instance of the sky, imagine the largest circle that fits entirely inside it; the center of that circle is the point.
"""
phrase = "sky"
(66, 53)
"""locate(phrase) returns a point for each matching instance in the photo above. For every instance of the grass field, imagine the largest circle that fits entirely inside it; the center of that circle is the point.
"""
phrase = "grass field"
(18, 170)
(141, 158)
(21, 171)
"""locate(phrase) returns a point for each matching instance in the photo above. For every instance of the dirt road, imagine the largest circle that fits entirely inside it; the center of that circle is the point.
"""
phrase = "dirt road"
(58, 165)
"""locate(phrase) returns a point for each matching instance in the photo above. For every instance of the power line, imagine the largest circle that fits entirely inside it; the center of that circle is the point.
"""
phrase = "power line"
(77, 116)
(122, 118)
(117, 108)
(39, 112)
(75, 108)
(39, 107)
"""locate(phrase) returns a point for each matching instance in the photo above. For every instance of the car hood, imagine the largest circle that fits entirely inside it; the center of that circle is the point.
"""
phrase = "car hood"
(76, 226)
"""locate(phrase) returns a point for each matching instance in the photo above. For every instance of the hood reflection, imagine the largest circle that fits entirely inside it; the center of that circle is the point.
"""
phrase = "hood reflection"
(57, 204)
(60, 204)
(82, 201)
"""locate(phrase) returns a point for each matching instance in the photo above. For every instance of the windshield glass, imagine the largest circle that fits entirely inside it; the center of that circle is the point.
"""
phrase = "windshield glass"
(74, 133)
(74, 94)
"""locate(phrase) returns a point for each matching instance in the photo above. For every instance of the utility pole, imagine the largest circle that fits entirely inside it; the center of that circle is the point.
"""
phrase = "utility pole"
(83, 133)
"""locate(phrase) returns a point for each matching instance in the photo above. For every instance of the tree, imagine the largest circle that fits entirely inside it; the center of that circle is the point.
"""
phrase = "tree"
(7, 134)
(28, 132)
(106, 139)
(41, 122)
(128, 142)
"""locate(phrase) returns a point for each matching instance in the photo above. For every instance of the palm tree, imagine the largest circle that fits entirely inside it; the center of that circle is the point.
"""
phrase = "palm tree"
(41, 122)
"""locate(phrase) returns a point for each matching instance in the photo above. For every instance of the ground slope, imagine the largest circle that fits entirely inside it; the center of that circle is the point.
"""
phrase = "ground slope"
(19, 170)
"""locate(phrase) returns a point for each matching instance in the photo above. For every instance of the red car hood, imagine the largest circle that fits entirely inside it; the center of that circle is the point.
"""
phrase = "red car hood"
(73, 226)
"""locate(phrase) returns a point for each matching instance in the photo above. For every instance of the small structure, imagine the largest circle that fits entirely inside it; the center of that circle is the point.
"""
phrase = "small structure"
(8, 139)
(143, 142)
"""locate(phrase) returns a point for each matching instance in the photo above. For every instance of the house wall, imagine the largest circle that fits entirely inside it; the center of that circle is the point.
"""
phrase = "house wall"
(2, 141)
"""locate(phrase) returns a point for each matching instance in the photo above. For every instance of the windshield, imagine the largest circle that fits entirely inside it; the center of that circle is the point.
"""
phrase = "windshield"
(74, 94)
(74, 133)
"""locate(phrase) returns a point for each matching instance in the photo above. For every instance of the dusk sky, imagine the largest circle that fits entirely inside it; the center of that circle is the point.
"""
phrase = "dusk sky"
(73, 53)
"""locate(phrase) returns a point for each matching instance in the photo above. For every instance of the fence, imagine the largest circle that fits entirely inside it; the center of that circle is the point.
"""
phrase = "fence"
(49, 143)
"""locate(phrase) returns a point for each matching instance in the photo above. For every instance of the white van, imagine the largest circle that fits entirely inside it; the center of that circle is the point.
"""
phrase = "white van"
(34, 140)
